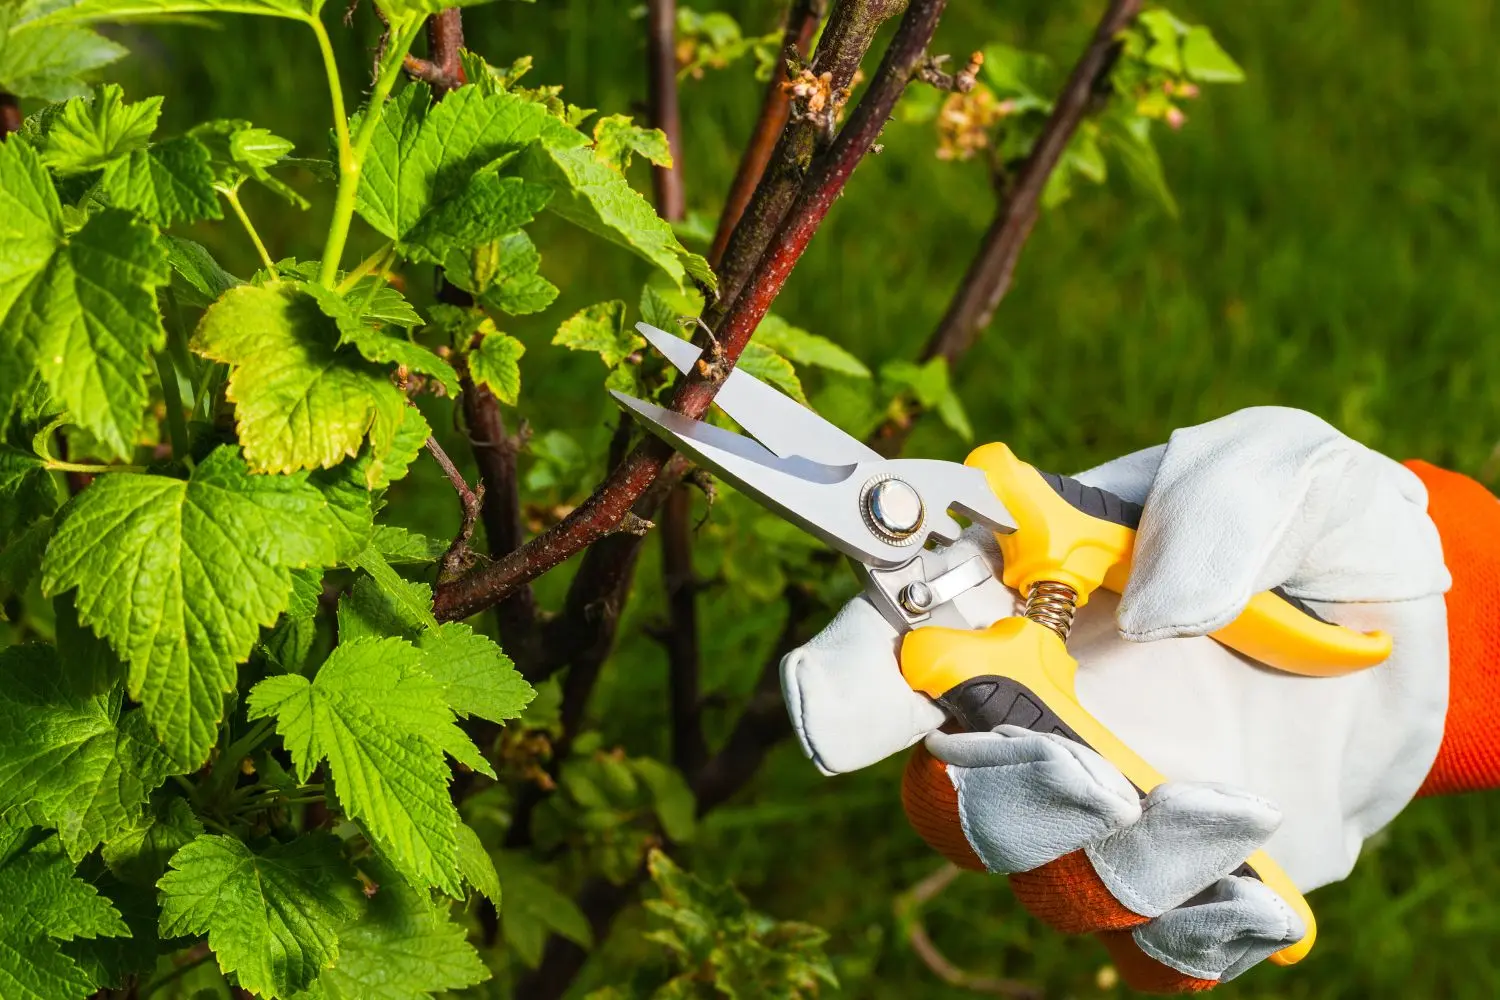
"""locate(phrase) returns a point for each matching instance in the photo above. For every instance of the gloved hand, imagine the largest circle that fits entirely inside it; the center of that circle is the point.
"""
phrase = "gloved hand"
(1305, 767)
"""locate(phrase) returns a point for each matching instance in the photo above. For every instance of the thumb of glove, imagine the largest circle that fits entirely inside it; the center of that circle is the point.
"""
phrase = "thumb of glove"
(1269, 497)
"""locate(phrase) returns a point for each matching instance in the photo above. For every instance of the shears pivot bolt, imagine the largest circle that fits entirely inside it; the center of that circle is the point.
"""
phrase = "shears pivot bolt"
(892, 509)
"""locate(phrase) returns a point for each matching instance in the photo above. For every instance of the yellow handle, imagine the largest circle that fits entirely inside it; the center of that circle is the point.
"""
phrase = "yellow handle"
(1056, 541)
(940, 661)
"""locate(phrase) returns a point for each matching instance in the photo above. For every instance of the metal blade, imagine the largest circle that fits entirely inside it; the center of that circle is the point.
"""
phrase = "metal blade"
(827, 501)
(775, 419)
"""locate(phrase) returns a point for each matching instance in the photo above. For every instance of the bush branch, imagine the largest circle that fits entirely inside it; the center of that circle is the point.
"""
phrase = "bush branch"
(846, 38)
(801, 22)
(989, 275)
(661, 75)
(908, 909)
(826, 177)
(681, 634)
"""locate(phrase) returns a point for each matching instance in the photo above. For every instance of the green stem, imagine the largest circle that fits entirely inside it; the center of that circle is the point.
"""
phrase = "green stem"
(335, 91)
(174, 975)
(177, 347)
(172, 395)
(367, 265)
(233, 197)
(382, 275)
(402, 35)
(59, 466)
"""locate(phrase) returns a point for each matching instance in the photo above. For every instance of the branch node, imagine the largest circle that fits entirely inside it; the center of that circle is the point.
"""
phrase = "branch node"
(931, 72)
(633, 524)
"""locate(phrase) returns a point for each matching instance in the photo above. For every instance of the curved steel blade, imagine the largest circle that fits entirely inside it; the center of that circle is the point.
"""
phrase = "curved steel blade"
(827, 501)
(775, 419)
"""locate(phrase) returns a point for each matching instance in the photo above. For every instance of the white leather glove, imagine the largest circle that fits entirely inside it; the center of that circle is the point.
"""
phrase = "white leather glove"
(1305, 767)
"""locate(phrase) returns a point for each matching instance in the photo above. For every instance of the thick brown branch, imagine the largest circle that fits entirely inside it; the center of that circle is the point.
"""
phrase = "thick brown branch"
(495, 452)
(909, 912)
(661, 66)
(801, 22)
(846, 38)
(10, 114)
(829, 172)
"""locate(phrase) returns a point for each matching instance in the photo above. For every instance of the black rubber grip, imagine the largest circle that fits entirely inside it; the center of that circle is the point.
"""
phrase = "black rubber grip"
(979, 704)
(1106, 506)
(1094, 501)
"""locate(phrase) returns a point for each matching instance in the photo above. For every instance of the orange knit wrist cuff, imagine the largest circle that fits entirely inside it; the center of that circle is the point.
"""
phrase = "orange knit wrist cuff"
(1468, 520)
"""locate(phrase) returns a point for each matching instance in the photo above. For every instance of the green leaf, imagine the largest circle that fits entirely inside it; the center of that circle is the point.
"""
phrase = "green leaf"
(405, 947)
(495, 364)
(91, 132)
(238, 150)
(506, 273)
(930, 384)
(768, 366)
(169, 183)
(1205, 60)
(673, 799)
(1131, 141)
(82, 307)
(420, 158)
(374, 344)
(534, 909)
(193, 571)
(139, 853)
(400, 546)
(27, 490)
(477, 678)
(272, 917)
(600, 328)
(45, 903)
(594, 196)
(70, 759)
(302, 400)
(380, 721)
(476, 864)
(110, 961)
(372, 610)
(618, 137)
(407, 602)
(204, 278)
(486, 209)
(48, 65)
(804, 348)
(665, 308)
(48, 15)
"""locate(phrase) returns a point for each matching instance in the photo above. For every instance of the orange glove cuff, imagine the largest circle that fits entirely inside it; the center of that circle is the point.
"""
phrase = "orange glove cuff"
(1468, 520)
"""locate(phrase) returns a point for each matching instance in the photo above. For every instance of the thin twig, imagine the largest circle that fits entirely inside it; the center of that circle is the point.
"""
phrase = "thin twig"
(908, 908)
(829, 172)
(989, 275)
(802, 20)
(458, 557)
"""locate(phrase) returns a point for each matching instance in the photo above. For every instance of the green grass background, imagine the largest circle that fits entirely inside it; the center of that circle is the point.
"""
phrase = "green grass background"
(1338, 250)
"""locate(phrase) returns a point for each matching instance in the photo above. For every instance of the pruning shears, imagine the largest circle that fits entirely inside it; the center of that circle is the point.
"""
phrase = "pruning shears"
(962, 645)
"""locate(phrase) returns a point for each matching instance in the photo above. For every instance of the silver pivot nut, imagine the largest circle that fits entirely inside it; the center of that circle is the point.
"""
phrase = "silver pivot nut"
(893, 510)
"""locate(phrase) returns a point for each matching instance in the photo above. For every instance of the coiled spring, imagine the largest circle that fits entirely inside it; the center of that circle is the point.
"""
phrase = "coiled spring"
(1052, 604)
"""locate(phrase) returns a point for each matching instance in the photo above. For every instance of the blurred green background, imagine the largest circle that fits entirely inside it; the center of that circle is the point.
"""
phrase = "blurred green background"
(1337, 250)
